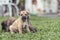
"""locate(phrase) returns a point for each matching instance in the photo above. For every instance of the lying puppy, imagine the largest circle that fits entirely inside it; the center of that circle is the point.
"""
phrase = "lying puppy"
(6, 23)
(18, 24)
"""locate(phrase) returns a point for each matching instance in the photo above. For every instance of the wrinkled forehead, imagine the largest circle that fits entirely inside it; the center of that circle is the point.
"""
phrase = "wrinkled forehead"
(23, 12)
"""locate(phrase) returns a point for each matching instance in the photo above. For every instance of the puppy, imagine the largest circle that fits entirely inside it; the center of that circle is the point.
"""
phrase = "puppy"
(18, 24)
(27, 24)
(6, 23)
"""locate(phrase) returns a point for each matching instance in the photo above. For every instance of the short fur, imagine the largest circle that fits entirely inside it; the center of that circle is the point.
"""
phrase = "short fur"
(6, 23)
(18, 24)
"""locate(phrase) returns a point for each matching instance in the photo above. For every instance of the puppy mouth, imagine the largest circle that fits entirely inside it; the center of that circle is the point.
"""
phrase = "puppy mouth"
(24, 18)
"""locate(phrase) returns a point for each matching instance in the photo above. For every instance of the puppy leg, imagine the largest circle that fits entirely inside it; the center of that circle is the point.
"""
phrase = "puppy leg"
(20, 29)
(28, 28)
(11, 30)
(32, 28)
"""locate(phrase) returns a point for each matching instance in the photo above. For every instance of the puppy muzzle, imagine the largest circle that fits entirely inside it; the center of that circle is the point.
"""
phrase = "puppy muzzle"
(24, 18)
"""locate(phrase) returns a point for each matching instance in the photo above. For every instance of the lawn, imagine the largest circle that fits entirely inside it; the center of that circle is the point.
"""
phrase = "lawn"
(48, 29)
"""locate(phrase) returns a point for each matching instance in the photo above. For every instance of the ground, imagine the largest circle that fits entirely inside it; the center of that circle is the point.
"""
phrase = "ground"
(48, 29)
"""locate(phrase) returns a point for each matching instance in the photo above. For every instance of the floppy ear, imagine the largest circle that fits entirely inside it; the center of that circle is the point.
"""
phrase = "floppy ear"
(28, 13)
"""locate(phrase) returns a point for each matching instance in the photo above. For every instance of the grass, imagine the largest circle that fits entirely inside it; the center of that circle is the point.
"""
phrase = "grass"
(49, 29)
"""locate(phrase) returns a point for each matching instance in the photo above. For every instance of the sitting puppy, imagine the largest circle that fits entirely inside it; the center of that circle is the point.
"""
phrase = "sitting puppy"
(18, 24)
(26, 23)
(6, 23)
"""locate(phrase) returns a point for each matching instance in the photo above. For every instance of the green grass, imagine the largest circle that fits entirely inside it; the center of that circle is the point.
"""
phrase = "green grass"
(49, 29)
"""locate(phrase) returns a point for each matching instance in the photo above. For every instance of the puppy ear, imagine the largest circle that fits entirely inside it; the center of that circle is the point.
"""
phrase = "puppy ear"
(28, 12)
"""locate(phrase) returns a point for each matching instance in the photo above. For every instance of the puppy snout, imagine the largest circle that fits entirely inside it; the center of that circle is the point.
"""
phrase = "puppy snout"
(24, 18)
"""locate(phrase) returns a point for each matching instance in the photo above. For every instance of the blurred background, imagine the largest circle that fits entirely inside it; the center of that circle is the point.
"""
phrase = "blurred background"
(35, 7)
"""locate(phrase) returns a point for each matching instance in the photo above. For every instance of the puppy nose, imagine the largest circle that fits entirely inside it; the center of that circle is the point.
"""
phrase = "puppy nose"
(24, 17)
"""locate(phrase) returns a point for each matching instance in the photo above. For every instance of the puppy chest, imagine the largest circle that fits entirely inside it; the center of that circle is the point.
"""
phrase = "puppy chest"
(24, 25)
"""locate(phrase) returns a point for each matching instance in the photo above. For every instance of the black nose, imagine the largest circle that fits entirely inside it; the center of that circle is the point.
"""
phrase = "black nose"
(24, 18)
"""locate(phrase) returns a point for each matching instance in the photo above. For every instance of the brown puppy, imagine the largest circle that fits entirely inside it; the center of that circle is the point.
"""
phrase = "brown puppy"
(6, 23)
(26, 24)
(18, 24)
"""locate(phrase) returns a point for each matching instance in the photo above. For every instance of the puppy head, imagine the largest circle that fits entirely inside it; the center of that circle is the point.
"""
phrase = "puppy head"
(24, 15)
